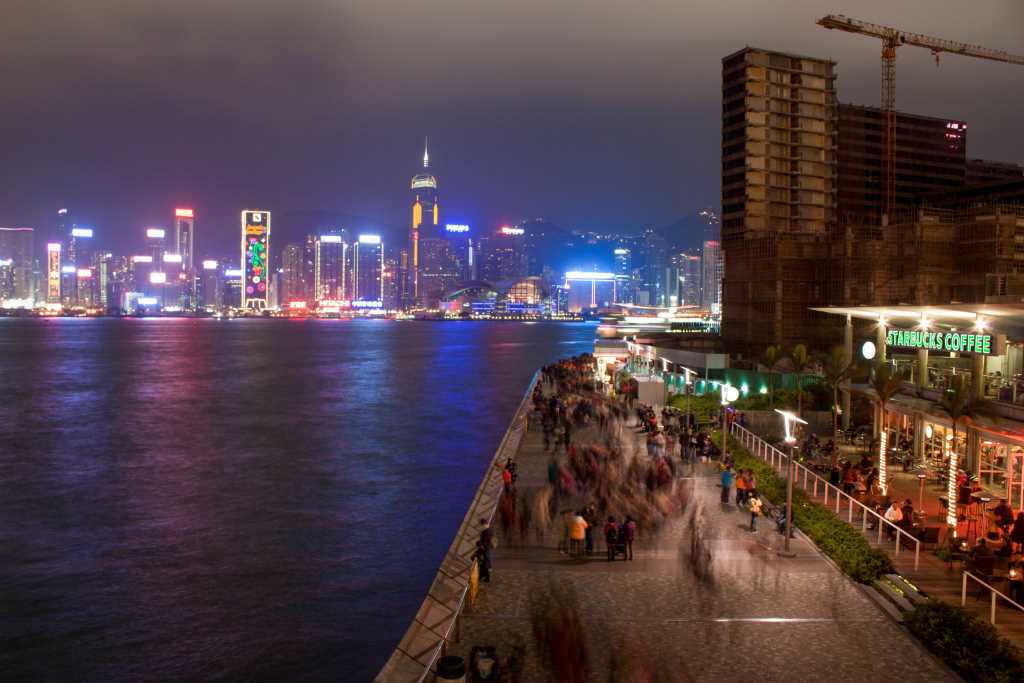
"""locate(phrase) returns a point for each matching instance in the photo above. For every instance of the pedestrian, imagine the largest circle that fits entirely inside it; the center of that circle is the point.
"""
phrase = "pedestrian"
(611, 537)
(577, 533)
(893, 515)
(630, 528)
(482, 555)
(1017, 533)
(590, 515)
(741, 487)
(755, 510)
(486, 535)
(727, 478)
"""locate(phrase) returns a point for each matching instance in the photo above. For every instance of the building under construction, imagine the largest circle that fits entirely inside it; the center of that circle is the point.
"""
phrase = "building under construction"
(778, 195)
(803, 207)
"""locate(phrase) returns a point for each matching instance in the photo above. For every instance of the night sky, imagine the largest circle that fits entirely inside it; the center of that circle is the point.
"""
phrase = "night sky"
(596, 115)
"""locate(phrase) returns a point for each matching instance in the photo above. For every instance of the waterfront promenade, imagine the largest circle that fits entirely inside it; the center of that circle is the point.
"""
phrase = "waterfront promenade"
(751, 614)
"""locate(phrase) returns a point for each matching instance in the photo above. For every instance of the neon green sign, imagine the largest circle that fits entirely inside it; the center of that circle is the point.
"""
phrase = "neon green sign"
(959, 342)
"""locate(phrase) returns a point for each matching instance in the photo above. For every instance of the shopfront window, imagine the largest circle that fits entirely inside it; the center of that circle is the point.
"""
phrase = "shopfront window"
(992, 466)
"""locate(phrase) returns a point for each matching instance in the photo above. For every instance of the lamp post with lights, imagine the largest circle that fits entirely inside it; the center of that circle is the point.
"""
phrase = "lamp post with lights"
(729, 394)
(788, 419)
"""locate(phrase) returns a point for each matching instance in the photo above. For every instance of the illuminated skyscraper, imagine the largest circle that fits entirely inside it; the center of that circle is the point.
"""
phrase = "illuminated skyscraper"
(184, 245)
(368, 272)
(623, 276)
(53, 273)
(255, 259)
(424, 224)
(292, 285)
(16, 245)
(329, 271)
(711, 286)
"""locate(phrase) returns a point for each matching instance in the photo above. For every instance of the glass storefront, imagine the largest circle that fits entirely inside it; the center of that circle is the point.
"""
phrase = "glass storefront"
(1001, 470)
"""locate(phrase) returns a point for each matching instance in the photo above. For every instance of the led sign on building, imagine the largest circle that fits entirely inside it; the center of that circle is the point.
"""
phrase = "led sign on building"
(81, 232)
(53, 272)
(330, 239)
(209, 264)
(512, 231)
(255, 253)
(172, 258)
(142, 259)
(156, 233)
(157, 278)
(184, 213)
(959, 342)
(456, 228)
(233, 273)
(68, 270)
(84, 273)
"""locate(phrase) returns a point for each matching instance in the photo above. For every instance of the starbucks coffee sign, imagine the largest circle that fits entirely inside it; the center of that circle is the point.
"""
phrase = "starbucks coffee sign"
(981, 343)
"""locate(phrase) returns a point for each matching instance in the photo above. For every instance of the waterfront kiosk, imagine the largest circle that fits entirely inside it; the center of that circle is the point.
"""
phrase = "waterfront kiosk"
(932, 346)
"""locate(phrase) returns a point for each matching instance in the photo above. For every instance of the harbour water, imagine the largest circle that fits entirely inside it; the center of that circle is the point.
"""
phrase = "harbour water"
(239, 500)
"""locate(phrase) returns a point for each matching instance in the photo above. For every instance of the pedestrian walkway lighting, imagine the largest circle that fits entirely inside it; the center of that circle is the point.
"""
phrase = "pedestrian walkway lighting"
(788, 419)
(729, 394)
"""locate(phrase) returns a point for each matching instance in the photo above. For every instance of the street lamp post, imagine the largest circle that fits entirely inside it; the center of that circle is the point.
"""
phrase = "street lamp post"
(729, 394)
(788, 420)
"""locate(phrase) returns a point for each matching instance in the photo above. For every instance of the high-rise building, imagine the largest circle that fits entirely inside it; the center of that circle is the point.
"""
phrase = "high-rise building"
(292, 286)
(424, 223)
(16, 246)
(623, 276)
(156, 246)
(930, 156)
(778, 195)
(184, 240)
(691, 278)
(368, 272)
(503, 256)
(711, 278)
(329, 268)
(255, 262)
(53, 273)
(211, 285)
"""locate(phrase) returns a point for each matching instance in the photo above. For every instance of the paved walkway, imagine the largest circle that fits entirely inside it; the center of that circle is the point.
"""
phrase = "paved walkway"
(753, 616)
(934, 577)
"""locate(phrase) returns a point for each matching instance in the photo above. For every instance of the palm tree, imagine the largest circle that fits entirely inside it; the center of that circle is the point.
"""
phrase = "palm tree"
(836, 371)
(960, 402)
(773, 358)
(801, 361)
(886, 384)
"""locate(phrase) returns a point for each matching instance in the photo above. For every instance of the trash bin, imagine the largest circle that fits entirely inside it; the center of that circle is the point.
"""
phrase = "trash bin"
(451, 669)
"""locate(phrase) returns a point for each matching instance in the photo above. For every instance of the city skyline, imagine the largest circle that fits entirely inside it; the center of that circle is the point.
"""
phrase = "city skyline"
(503, 151)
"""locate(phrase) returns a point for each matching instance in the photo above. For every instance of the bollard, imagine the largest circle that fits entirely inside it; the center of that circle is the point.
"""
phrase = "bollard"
(993, 619)
(963, 591)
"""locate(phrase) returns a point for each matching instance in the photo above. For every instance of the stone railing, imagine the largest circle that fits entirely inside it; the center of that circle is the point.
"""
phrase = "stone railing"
(437, 619)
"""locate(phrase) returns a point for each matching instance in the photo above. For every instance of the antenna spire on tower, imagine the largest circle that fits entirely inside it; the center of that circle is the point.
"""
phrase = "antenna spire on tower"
(426, 155)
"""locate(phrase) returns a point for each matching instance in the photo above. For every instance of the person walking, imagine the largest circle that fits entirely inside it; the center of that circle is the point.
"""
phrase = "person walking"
(611, 537)
(727, 479)
(629, 527)
(590, 515)
(754, 502)
(577, 533)
(741, 487)
(482, 556)
(1017, 533)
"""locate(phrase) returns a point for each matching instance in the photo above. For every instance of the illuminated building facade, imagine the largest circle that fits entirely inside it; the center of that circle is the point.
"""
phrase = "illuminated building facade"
(53, 273)
(184, 241)
(589, 290)
(711, 282)
(329, 268)
(623, 276)
(424, 224)
(16, 245)
(255, 276)
(503, 255)
(368, 272)
(292, 284)
(690, 276)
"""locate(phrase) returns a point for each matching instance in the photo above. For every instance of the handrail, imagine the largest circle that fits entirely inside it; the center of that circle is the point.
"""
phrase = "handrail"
(994, 594)
(452, 577)
(758, 446)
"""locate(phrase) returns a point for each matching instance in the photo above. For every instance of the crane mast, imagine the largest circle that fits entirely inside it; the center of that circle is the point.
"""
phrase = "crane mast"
(891, 39)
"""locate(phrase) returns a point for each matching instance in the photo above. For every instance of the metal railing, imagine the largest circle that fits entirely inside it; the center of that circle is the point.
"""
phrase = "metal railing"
(994, 596)
(437, 620)
(768, 453)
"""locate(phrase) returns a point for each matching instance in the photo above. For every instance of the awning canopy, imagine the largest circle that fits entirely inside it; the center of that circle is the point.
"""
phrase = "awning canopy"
(1007, 319)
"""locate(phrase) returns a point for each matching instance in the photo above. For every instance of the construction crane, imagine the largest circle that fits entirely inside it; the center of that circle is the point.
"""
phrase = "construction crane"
(891, 39)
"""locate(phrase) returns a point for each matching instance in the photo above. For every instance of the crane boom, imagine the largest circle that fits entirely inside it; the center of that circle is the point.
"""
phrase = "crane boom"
(843, 23)
(891, 39)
